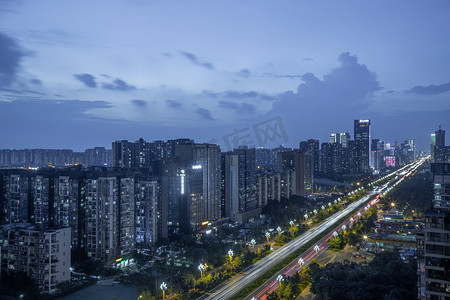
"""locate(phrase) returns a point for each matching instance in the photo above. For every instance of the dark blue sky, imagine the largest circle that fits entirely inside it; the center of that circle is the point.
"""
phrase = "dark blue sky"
(78, 74)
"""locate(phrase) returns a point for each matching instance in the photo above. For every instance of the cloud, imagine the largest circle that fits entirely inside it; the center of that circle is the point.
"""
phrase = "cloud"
(204, 113)
(36, 81)
(11, 56)
(282, 75)
(430, 90)
(247, 73)
(232, 94)
(193, 58)
(244, 73)
(173, 103)
(242, 108)
(118, 85)
(342, 94)
(87, 79)
(350, 83)
(139, 103)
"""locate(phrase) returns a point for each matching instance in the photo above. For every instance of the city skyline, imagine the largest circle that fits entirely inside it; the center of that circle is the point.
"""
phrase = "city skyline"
(82, 75)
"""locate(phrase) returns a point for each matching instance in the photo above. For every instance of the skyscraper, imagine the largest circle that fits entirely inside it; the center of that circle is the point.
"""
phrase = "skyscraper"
(439, 152)
(362, 135)
(241, 202)
(312, 145)
(193, 187)
(434, 244)
(302, 163)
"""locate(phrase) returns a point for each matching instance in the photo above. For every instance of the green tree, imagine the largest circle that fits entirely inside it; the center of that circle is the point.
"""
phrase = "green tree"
(335, 243)
(147, 295)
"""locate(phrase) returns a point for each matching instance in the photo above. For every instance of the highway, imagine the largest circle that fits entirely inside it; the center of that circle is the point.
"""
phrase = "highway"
(250, 274)
(272, 284)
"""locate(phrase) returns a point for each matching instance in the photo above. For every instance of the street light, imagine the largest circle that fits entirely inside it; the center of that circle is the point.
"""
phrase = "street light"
(335, 234)
(279, 230)
(323, 207)
(201, 267)
(315, 211)
(291, 223)
(359, 214)
(316, 248)
(230, 253)
(163, 287)
(351, 219)
(267, 236)
(344, 227)
(306, 216)
(301, 262)
(280, 278)
(253, 242)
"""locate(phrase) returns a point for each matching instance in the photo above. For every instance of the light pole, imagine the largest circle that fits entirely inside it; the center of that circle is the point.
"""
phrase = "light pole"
(253, 242)
(280, 278)
(344, 227)
(306, 216)
(279, 230)
(230, 253)
(301, 262)
(351, 219)
(335, 234)
(267, 236)
(316, 248)
(163, 287)
(201, 267)
(291, 223)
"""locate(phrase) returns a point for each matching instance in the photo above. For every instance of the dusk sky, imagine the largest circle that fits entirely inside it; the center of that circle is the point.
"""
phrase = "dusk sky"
(79, 74)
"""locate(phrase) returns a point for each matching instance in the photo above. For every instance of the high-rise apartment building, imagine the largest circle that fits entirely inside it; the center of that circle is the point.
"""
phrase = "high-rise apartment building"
(312, 145)
(148, 216)
(302, 163)
(274, 186)
(241, 202)
(16, 199)
(434, 244)
(265, 159)
(439, 152)
(98, 156)
(69, 206)
(43, 254)
(103, 207)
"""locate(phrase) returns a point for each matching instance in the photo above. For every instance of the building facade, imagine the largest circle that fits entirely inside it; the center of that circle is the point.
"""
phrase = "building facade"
(434, 244)
(44, 255)
(362, 135)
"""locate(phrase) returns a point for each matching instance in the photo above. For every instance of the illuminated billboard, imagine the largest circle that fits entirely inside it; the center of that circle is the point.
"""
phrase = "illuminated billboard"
(389, 161)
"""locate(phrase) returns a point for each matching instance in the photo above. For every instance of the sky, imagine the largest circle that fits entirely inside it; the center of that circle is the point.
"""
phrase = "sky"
(80, 74)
